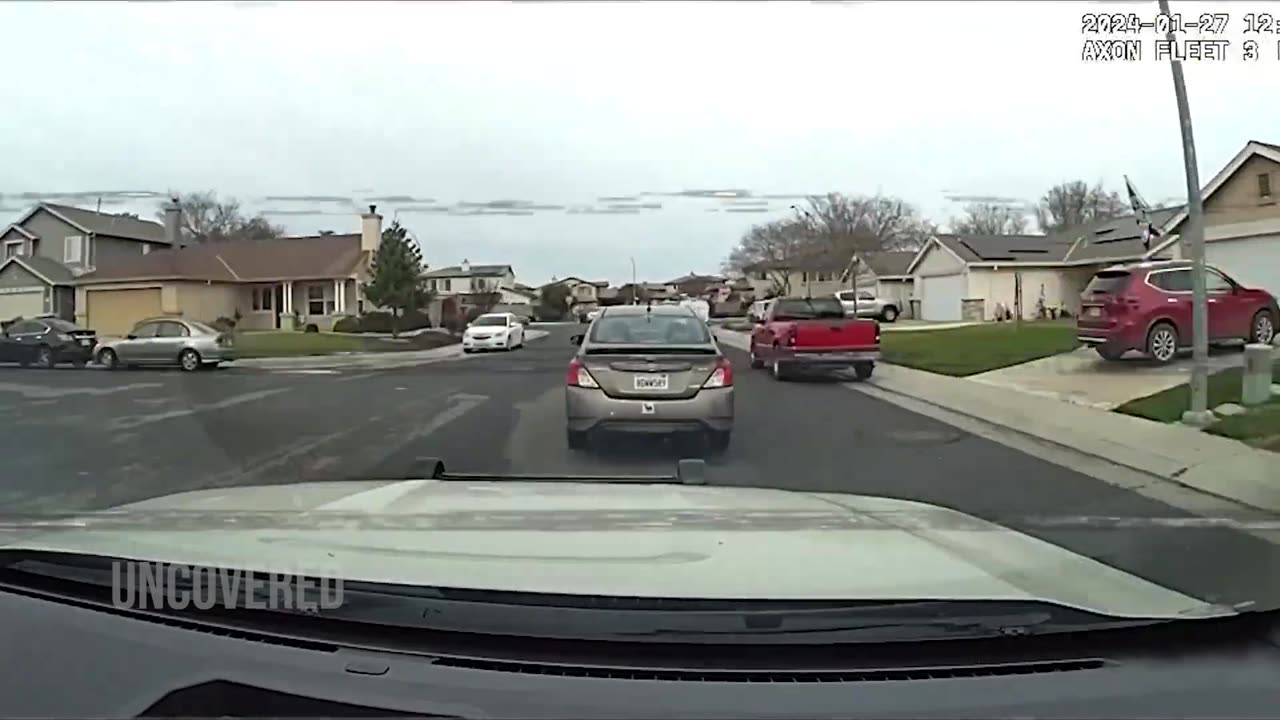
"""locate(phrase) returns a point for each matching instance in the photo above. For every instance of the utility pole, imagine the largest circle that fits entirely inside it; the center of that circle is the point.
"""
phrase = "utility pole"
(1193, 242)
(633, 281)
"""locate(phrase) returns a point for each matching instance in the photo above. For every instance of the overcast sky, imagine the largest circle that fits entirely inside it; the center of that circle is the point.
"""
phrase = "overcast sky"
(577, 107)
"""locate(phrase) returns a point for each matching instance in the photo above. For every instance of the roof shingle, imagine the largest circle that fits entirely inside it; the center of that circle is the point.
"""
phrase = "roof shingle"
(125, 226)
(291, 258)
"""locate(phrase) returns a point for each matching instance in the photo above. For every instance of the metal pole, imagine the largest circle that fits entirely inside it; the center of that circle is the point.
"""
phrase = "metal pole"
(1193, 243)
(633, 281)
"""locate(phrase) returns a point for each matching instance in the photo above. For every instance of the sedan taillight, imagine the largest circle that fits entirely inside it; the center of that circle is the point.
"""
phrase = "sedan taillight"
(578, 375)
(722, 376)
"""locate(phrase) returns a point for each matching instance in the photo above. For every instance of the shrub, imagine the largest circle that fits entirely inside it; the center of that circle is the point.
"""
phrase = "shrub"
(311, 328)
(380, 322)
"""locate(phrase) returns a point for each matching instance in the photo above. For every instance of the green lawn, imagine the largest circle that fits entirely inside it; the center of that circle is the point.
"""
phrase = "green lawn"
(1260, 426)
(978, 348)
(276, 344)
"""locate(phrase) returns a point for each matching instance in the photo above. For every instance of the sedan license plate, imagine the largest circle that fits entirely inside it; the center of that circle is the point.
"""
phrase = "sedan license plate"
(1095, 312)
(652, 382)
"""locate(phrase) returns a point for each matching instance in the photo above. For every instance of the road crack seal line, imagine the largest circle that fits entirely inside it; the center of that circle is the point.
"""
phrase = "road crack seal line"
(131, 422)
(40, 392)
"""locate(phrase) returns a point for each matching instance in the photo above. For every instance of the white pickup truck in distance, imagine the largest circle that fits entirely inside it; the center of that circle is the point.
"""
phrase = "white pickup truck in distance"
(864, 304)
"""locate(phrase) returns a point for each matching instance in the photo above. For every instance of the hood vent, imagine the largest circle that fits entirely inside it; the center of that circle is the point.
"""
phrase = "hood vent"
(773, 676)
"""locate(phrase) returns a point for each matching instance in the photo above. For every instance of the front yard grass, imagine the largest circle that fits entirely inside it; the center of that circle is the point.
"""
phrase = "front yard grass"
(1260, 426)
(978, 348)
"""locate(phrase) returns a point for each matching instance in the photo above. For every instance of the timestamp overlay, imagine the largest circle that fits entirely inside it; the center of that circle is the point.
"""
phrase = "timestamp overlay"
(1204, 37)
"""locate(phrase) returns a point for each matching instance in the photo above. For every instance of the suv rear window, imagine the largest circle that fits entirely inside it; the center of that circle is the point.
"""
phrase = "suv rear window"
(1108, 282)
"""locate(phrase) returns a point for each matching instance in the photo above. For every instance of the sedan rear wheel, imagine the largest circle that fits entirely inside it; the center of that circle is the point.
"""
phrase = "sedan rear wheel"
(1263, 328)
(44, 357)
(890, 314)
(189, 360)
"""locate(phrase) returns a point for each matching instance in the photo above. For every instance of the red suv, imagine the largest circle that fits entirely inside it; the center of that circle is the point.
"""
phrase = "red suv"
(1147, 307)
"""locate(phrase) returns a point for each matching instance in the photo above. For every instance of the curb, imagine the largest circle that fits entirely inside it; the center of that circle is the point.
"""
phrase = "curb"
(1174, 477)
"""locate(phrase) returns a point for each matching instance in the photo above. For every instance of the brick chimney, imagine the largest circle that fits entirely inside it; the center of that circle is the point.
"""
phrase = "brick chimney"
(173, 223)
(370, 229)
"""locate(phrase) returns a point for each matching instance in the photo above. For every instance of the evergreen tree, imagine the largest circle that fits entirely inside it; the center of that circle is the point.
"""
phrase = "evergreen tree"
(397, 283)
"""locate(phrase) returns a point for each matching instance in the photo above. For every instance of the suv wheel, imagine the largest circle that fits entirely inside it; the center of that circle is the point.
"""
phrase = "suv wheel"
(1263, 328)
(889, 314)
(1162, 342)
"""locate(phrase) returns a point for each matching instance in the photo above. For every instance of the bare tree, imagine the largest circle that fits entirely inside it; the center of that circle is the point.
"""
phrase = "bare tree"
(769, 245)
(205, 218)
(990, 219)
(1069, 204)
(860, 227)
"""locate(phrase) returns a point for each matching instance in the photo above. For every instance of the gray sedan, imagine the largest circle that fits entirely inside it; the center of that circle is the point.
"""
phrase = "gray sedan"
(188, 344)
(649, 369)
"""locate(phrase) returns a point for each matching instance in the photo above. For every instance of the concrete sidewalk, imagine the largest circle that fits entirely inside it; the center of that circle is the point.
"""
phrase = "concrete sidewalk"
(1215, 465)
(367, 360)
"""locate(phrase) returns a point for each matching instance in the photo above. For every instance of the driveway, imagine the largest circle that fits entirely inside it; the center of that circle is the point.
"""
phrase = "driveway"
(1083, 378)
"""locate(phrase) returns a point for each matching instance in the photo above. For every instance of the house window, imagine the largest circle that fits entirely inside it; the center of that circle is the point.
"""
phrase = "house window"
(73, 249)
(1264, 185)
(262, 299)
(824, 277)
(316, 302)
(446, 285)
(12, 248)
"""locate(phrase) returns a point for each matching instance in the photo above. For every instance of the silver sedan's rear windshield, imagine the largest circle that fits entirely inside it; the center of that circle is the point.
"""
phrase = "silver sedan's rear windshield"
(650, 329)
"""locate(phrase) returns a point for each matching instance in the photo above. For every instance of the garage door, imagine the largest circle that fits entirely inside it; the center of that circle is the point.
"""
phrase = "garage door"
(1254, 262)
(940, 297)
(115, 312)
(21, 302)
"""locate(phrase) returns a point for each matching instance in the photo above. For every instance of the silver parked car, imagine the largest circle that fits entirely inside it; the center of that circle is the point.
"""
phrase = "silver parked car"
(864, 304)
(188, 344)
(649, 369)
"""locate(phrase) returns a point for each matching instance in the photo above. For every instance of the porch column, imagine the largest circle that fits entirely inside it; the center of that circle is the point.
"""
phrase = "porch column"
(337, 297)
(288, 298)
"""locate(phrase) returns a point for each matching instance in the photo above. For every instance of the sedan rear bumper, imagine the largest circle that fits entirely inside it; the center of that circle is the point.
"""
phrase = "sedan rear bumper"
(590, 409)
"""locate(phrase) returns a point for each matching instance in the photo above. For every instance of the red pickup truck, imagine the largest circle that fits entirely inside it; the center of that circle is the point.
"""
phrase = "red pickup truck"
(799, 334)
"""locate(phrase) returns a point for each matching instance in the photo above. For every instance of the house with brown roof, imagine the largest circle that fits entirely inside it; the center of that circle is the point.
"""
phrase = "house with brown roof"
(1241, 219)
(823, 273)
(51, 245)
(276, 283)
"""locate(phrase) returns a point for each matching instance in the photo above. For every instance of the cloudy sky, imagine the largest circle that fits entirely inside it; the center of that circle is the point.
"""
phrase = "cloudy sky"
(600, 123)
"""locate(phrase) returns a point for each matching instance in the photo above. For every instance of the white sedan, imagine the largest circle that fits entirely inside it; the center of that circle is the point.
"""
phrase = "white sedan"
(493, 331)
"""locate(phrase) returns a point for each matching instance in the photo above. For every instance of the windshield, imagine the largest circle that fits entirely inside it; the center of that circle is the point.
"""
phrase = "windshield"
(297, 253)
(649, 329)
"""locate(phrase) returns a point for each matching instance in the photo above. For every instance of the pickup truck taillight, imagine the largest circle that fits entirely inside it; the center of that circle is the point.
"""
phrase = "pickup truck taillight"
(790, 339)
(722, 376)
(578, 375)
(877, 333)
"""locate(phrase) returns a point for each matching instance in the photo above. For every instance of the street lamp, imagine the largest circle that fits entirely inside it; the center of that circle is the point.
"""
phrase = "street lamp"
(1193, 241)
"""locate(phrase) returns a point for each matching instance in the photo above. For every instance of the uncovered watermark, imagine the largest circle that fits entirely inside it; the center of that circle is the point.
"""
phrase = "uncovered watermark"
(141, 585)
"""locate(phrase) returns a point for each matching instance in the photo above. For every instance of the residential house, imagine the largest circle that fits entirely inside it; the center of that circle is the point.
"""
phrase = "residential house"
(820, 273)
(471, 289)
(270, 283)
(977, 277)
(50, 245)
(1241, 218)
(699, 286)
(581, 292)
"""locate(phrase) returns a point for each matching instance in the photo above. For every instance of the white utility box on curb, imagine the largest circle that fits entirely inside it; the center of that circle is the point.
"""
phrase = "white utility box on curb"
(1257, 374)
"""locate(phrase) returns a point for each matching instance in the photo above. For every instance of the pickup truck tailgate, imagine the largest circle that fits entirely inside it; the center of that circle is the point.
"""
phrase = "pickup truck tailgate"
(830, 334)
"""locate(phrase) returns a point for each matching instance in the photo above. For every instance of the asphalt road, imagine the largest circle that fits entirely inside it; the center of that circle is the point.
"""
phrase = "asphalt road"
(76, 440)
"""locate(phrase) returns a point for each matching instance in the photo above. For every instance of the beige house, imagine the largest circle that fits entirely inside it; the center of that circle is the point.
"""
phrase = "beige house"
(468, 279)
(269, 284)
(1242, 219)
(884, 274)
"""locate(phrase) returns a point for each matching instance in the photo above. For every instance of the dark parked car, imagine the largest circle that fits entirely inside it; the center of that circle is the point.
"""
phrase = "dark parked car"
(45, 342)
(1147, 307)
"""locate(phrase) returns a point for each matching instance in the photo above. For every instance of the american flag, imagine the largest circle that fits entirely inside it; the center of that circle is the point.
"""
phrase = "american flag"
(1141, 210)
